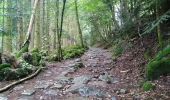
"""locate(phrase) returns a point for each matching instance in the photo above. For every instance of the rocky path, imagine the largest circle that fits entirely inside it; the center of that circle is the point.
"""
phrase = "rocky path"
(87, 78)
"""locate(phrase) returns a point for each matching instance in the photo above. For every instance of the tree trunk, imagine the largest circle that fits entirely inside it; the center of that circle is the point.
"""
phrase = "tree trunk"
(78, 23)
(37, 28)
(30, 27)
(60, 32)
(8, 35)
(56, 25)
(158, 27)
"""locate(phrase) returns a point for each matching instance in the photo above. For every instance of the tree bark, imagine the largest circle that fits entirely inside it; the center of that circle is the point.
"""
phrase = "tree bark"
(78, 23)
(60, 55)
(30, 27)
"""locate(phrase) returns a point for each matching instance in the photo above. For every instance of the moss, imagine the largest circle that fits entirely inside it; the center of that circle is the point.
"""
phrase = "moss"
(36, 57)
(147, 86)
(14, 74)
(160, 65)
(73, 51)
(35, 50)
(23, 50)
(2, 66)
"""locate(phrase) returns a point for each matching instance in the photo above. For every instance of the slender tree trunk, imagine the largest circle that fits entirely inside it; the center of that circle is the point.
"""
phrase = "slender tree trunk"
(78, 23)
(60, 32)
(158, 27)
(56, 25)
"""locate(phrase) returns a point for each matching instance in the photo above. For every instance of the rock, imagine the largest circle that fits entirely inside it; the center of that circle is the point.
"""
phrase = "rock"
(78, 60)
(77, 98)
(123, 91)
(82, 79)
(51, 92)
(98, 83)
(64, 80)
(27, 57)
(136, 97)
(18, 87)
(26, 98)
(74, 88)
(3, 97)
(114, 98)
(28, 92)
(108, 79)
(57, 86)
(43, 84)
(91, 91)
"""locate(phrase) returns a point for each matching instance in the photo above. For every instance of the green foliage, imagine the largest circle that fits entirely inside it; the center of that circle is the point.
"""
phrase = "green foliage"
(147, 86)
(13, 74)
(147, 54)
(155, 23)
(36, 57)
(23, 50)
(2, 66)
(73, 51)
(35, 50)
(160, 65)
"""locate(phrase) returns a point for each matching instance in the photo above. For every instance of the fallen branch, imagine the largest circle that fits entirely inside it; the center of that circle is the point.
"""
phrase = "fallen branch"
(20, 81)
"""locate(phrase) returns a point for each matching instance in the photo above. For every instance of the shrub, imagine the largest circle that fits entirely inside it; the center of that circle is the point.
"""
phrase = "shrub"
(160, 65)
(2, 66)
(147, 86)
(23, 50)
(36, 57)
(73, 51)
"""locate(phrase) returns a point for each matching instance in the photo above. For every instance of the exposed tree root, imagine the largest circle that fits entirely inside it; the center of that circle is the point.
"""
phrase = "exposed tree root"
(20, 81)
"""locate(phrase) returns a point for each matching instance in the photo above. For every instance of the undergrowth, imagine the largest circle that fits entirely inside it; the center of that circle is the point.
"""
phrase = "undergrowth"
(160, 65)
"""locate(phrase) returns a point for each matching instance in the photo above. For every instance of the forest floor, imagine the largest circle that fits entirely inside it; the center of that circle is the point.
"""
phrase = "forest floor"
(101, 78)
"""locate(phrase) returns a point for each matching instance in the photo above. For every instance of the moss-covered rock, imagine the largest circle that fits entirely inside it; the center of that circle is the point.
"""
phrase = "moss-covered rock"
(73, 51)
(160, 65)
(27, 57)
(2, 66)
(36, 57)
(13, 74)
(147, 86)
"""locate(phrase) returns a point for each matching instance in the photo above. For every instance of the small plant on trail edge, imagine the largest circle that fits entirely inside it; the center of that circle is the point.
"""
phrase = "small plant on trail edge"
(160, 65)
(147, 86)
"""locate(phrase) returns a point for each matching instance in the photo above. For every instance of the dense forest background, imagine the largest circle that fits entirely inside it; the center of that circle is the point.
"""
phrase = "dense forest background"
(100, 20)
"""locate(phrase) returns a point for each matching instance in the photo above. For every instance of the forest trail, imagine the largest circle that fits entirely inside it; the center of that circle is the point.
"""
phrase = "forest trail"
(100, 79)
(64, 81)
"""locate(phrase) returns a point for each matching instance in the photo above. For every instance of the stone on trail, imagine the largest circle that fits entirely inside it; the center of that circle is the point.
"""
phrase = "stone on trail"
(74, 88)
(3, 97)
(25, 98)
(19, 87)
(108, 79)
(114, 98)
(91, 91)
(57, 86)
(28, 92)
(51, 92)
(43, 84)
(64, 80)
(82, 79)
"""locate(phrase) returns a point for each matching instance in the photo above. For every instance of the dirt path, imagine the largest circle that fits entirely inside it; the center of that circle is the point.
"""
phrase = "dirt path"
(99, 79)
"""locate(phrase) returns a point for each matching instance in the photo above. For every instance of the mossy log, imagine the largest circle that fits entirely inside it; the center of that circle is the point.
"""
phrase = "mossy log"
(20, 81)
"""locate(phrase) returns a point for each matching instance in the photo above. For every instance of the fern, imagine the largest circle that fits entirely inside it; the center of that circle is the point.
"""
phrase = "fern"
(155, 23)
